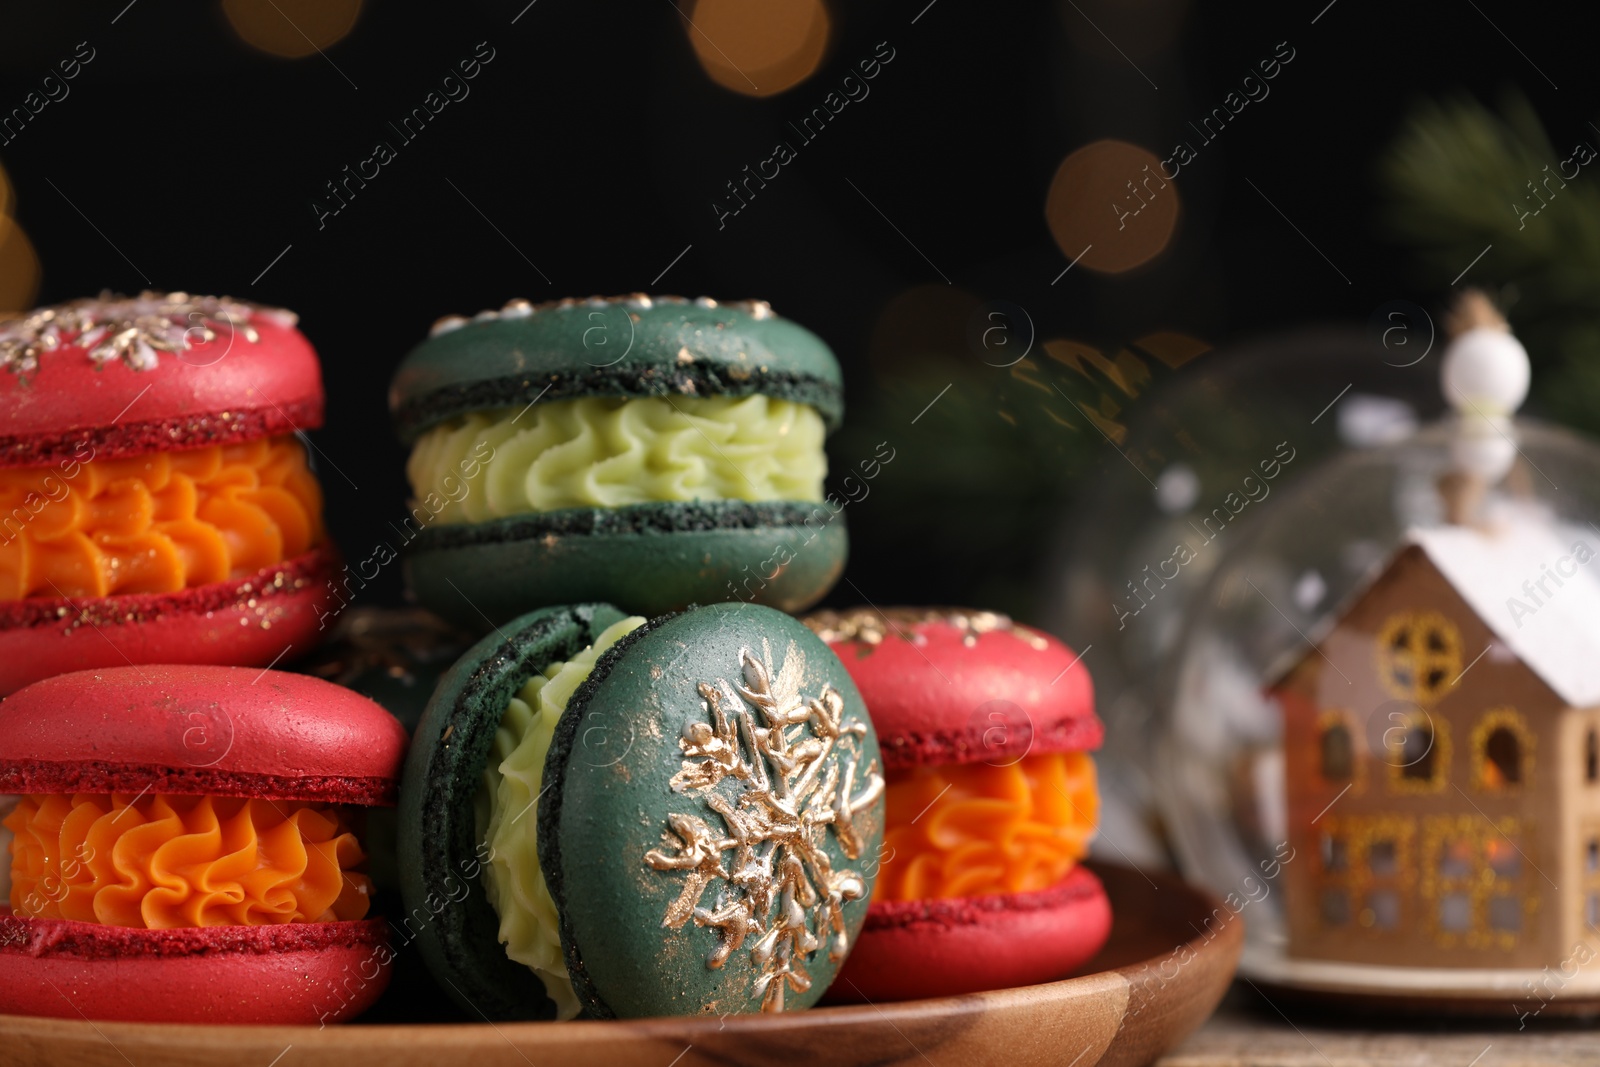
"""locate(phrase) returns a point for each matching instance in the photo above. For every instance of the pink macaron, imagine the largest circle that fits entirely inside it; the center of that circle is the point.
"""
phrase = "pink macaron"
(986, 728)
(156, 503)
(185, 846)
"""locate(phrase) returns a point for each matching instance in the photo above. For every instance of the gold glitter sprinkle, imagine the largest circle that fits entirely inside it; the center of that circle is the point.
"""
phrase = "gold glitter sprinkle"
(798, 774)
(870, 626)
(133, 330)
(633, 302)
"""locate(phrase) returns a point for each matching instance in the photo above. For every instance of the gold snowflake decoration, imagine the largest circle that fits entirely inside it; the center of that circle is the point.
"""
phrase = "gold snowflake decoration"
(798, 769)
(133, 330)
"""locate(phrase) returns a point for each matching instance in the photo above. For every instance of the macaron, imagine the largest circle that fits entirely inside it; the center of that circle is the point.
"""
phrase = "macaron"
(986, 729)
(395, 656)
(155, 503)
(185, 846)
(618, 817)
(648, 452)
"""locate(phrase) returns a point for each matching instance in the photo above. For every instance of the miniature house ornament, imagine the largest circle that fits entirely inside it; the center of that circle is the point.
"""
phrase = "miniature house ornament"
(1393, 770)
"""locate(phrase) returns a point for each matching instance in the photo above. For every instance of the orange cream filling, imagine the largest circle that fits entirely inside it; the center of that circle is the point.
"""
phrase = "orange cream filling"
(158, 861)
(158, 522)
(971, 829)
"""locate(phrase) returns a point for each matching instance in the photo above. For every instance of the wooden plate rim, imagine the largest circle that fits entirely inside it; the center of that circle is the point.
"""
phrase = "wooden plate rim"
(1136, 986)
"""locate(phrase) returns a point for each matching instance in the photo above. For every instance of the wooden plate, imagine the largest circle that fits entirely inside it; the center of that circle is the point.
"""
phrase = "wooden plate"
(1170, 958)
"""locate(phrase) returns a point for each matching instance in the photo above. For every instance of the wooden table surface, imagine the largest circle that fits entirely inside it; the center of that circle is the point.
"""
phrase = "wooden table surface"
(1248, 1031)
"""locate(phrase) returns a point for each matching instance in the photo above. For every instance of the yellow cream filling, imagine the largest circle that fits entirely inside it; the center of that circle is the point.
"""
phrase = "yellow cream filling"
(611, 451)
(508, 816)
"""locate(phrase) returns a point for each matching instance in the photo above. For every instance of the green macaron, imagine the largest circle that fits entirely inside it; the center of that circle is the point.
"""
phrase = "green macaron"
(615, 817)
(649, 452)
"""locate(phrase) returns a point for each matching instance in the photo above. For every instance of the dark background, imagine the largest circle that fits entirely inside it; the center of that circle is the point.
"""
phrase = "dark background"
(594, 144)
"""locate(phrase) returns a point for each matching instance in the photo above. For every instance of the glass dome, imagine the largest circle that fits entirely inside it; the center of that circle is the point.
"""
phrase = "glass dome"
(1402, 867)
(1296, 397)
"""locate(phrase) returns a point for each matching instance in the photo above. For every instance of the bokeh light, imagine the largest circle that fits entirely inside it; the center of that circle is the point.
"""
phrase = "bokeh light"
(19, 268)
(1109, 205)
(19, 264)
(291, 28)
(759, 49)
(1172, 347)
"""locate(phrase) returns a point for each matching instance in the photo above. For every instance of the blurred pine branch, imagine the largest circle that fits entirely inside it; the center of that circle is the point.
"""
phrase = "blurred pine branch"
(1460, 177)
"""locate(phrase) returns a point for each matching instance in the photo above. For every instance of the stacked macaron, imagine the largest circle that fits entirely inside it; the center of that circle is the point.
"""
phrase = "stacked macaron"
(185, 846)
(986, 729)
(649, 452)
(155, 504)
(669, 815)
(617, 804)
(174, 825)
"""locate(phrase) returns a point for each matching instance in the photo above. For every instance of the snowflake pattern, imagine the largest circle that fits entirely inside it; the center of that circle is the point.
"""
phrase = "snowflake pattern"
(798, 773)
(133, 330)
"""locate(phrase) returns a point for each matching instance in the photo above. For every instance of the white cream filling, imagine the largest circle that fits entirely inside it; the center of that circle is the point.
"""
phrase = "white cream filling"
(508, 817)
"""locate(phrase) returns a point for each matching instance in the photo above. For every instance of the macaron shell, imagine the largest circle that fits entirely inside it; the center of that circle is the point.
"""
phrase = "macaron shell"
(274, 615)
(223, 731)
(394, 656)
(647, 559)
(621, 346)
(609, 811)
(75, 410)
(293, 973)
(440, 857)
(944, 690)
(936, 948)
